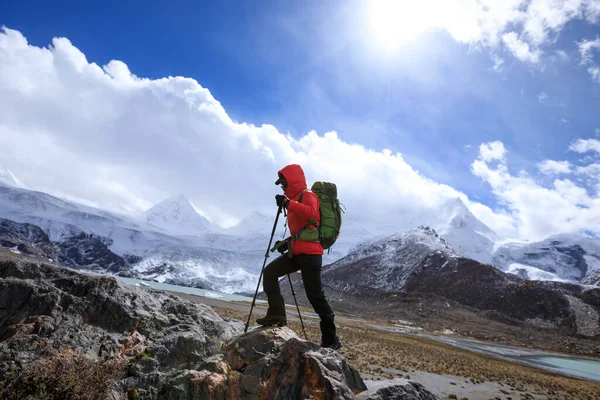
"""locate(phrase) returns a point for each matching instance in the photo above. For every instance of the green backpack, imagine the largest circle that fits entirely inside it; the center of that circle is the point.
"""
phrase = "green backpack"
(331, 212)
(331, 218)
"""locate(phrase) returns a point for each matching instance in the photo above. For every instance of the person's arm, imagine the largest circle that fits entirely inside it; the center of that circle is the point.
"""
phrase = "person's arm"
(309, 208)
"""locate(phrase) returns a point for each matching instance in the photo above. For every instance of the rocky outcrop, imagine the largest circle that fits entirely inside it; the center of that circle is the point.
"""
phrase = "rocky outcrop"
(269, 363)
(407, 391)
(81, 250)
(26, 239)
(587, 322)
(148, 344)
(49, 308)
(89, 252)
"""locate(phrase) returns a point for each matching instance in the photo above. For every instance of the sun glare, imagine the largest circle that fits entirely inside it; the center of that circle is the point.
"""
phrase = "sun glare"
(395, 22)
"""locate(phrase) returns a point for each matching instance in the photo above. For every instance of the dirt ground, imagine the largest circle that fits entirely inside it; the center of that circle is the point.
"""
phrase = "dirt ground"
(445, 370)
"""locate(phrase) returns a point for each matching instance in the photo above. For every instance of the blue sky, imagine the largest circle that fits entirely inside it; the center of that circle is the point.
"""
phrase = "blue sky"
(313, 65)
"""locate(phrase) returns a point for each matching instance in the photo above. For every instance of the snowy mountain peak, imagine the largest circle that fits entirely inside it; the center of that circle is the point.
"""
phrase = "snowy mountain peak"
(8, 178)
(177, 215)
(465, 233)
(387, 264)
(457, 214)
(421, 241)
(457, 205)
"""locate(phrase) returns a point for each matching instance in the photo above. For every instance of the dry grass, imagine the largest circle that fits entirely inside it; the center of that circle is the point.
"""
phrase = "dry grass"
(66, 375)
(388, 355)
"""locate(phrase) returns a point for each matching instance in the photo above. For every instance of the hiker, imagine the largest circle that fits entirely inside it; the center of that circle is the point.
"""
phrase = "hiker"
(305, 255)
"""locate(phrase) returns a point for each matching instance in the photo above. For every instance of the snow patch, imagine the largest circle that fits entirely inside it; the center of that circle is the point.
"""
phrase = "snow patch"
(532, 273)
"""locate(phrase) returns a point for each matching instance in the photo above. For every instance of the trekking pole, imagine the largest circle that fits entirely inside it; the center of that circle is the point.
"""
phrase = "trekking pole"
(298, 308)
(263, 267)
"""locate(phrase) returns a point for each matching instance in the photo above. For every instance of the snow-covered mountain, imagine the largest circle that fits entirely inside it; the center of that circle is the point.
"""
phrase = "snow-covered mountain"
(420, 264)
(177, 216)
(143, 248)
(567, 257)
(467, 235)
(387, 264)
(173, 243)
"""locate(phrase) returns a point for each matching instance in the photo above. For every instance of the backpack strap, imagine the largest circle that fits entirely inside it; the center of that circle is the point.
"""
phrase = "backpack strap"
(299, 235)
(311, 222)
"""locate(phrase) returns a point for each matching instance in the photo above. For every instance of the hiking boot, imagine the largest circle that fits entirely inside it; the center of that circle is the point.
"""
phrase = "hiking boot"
(336, 345)
(329, 339)
(272, 320)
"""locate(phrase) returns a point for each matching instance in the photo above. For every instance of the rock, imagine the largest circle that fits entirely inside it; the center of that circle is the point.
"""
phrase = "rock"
(47, 309)
(293, 368)
(587, 322)
(408, 391)
(162, 347)
(269, 363)
(90, 252)
(27, 238)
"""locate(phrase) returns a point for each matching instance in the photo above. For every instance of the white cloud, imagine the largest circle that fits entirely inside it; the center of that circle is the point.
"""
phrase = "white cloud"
(545, 17)
(498, 63)
(540, 211)
(595, 73)
(592, 10)
(492, 151)
(551, 167)
(105, 137)
(585, 145)
(586, 49)
(521, 49)
(108, 138)
(524, 26)
(542, 96)
(562, 55)
(564, 121)
(591, 171)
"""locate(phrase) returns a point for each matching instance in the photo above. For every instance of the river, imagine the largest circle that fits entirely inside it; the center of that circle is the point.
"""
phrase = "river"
(571, 366)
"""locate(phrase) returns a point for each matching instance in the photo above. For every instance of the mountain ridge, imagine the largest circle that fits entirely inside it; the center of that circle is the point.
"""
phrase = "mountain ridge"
(204, 254)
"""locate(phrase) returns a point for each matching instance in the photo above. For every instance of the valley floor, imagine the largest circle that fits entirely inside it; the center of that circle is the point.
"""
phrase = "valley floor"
(448, 371)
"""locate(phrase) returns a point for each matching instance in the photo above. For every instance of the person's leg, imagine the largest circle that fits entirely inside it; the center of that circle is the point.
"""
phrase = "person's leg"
(279, 267)
(311, 276)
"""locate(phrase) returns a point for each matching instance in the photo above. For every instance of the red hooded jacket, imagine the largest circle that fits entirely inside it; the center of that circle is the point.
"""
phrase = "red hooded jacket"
(300, 213)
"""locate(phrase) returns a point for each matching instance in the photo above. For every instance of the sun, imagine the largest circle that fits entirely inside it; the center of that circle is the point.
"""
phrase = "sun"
(393, 23)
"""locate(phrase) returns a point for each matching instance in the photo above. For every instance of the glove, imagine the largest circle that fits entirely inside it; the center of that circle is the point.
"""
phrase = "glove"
(281, 200)
(281, 246)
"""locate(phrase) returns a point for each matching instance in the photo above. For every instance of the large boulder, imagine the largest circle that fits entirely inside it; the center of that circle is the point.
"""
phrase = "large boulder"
(283, 363)
(270, 363)
(47, 311)
(400, 391)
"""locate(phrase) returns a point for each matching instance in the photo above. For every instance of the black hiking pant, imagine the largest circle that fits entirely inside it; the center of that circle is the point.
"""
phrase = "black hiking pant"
(310, 267)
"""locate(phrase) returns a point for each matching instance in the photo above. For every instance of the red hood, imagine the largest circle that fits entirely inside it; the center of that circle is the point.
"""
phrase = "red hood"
(296, 181)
